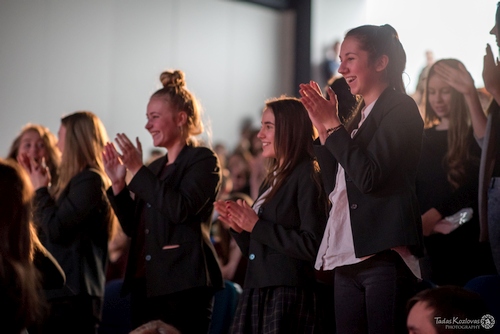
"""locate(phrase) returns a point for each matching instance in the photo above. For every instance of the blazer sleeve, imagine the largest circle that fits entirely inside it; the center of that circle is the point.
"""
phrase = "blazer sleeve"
(124, 207)
(372, 161)
(197, 188)
(303, 242)
(243, 241)
(61, 221)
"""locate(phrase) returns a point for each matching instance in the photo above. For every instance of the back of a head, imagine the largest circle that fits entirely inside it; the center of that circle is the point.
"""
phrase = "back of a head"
(174, 91)
(15, 211)
(452, 302)
(20, 298)
(383, 40)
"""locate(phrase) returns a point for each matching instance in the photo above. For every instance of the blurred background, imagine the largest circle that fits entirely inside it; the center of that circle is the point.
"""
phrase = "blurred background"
(60, 56)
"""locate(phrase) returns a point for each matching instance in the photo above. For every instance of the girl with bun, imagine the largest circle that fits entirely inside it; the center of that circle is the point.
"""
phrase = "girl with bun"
(172, 270)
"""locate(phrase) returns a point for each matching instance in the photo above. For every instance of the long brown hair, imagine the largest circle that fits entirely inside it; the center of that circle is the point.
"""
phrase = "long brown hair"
(83, 146)
(50, 142)
(293, 141)
(459, 130)
(19, 279)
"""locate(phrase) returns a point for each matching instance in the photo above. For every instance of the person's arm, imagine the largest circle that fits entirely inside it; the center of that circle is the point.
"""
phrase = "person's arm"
(394, 145)
(461, 80)
(197, 189)
(62, 221)
(301, 242)
(491, 74)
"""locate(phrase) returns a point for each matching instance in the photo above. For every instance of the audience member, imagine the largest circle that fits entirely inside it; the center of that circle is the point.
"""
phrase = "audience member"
(489, 173)
(418, 95)
(238, 164)
(373, 235)
(281, 233)
(447, 309)
(75, 223)
(172, 270)
(21, 300)
(39, 144)
(447, 178)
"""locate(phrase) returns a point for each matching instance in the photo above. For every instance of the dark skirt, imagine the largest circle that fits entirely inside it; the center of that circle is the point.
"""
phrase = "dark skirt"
(279, 309)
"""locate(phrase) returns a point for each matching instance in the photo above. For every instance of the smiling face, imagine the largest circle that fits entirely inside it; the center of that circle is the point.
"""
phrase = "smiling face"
(163, 123)
(32, 145)
(439, 95)
(356, 67)
(266, 134)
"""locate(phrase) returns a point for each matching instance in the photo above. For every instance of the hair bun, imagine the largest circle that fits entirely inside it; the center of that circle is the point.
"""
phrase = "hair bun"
(175, 78)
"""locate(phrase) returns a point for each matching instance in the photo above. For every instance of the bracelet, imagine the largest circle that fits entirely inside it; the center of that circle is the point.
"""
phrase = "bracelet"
(332, 130)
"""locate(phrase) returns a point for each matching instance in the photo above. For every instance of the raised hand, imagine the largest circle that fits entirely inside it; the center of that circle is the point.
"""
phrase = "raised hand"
(131, 155)
(38, 171)
(114, 168)
(491, 74)
(322, 112)
(242, 214)
(458, 78)
(221, 207)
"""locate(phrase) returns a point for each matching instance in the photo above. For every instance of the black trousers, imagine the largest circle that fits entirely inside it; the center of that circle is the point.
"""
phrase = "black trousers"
(190, 311)
(371, 296)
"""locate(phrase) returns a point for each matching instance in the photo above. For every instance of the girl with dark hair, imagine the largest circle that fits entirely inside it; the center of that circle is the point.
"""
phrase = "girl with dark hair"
(374, 234)
(280, 234)
(21, 301)
(172, 270)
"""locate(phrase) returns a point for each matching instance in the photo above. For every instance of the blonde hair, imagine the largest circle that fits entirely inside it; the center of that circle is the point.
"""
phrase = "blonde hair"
(53, 157)
(174, 91)
(460, 129)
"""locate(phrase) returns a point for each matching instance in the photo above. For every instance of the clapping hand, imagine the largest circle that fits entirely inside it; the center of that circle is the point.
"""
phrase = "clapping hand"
(322, 112)
(114, 168)
(491, 74)
(38, 171)
(237, 215)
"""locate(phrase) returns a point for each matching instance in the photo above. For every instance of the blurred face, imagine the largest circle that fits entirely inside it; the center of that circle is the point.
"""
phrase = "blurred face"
(266, 134)
(32, 145)
(61, 138)
(420, 320)
(439, 96)
(355, 67)
(163, 123)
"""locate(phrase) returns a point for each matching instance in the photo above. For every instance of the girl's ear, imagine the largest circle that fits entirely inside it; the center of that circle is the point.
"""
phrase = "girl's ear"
(381, 63)
(181, 118)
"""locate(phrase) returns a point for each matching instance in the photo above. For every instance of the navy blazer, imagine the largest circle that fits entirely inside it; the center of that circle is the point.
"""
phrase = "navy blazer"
(283, 245)
(177, 209)
(74, 229)
(380, 165)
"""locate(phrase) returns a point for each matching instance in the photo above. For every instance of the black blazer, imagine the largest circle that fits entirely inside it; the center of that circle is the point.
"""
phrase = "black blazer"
(74, 229)
(283, 245)
(177, 209)
(490, 165)
(380, 165)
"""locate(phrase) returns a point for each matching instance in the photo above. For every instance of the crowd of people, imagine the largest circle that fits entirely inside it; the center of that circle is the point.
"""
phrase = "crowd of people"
(353, 209)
